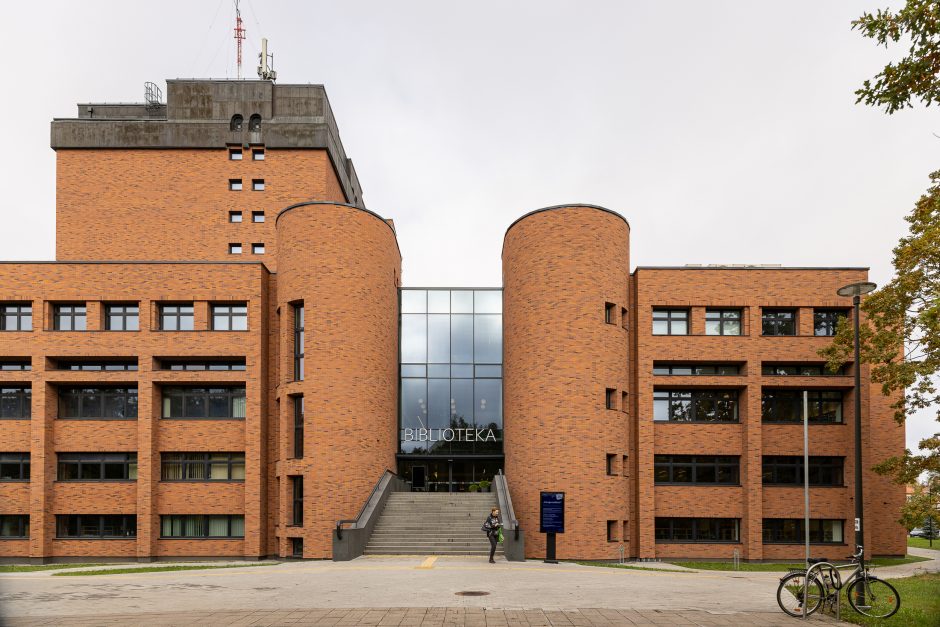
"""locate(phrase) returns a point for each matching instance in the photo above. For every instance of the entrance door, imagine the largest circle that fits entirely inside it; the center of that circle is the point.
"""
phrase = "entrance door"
(419, 475)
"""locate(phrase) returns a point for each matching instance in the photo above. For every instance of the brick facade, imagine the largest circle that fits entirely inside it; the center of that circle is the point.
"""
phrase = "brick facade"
(576, 328)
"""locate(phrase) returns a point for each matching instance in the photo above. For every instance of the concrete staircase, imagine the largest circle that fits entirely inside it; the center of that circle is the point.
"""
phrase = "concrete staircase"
(433, 523)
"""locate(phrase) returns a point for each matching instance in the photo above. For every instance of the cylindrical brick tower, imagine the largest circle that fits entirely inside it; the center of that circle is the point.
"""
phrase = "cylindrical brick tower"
(566, 271)
(343, 265)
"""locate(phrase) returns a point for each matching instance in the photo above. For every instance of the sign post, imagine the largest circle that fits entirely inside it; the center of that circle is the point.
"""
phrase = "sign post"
(551, 521)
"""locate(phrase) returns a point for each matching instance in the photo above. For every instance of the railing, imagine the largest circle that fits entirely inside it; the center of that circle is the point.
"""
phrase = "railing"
(352, 543)
(513, 541)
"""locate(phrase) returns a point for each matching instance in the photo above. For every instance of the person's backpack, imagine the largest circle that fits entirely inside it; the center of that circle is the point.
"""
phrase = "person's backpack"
(486, 525)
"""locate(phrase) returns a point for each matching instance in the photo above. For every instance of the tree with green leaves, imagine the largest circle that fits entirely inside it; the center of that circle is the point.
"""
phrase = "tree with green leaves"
(901, 341)
(923, 508)
(914, 76)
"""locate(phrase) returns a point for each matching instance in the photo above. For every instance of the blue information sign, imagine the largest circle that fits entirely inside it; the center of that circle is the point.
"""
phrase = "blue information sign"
(552, 512)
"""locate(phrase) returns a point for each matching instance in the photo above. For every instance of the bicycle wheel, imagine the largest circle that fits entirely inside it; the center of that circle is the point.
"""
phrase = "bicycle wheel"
(790, 594)
(874, 597)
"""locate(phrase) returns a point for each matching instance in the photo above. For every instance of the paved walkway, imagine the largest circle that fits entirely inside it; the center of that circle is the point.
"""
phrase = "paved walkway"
(426, 617)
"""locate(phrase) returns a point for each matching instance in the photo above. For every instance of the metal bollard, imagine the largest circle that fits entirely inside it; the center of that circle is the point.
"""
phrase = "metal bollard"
(622, 552)
(736, 560)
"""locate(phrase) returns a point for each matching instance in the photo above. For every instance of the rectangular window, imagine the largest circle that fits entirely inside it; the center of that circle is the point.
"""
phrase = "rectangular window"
(234, 249)
(207, 364)
(202, 466)
(235, 154)
(297, 500)
(800, 370)
(95, 365)
(298, 427)
(176, 317)
(296, 547)
(825, 321)
(257, 216)
(234, 216)
(16, 364)
(16, 317)
(122, 317)
(610, 398)
(96, 526)
(97, 467)
(670, 322)
(610, 313)
(257, 249)
(14, 526)
(69, 317)
(612, 526)
(791, 531)
(197, 526)
(257, 154)
(778, 322)
(788, 470)
(786, 405)
(235, 185)
(298, 342)
(98, 403)
(695, 405)
(696, 369)
(14, 466)
(697, 529)
(15, 402)
(722, 322)
(230, 317)
(215, 403)
(257, 185)
(612, 459)
(697, 469)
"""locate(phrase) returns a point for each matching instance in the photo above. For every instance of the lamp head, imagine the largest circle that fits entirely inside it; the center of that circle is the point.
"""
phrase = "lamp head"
(857, 289)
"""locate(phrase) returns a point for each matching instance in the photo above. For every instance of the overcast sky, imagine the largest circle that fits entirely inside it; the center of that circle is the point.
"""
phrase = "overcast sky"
(725, 132)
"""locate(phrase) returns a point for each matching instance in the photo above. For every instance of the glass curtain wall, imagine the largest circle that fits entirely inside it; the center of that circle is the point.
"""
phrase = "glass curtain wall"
(451, 372)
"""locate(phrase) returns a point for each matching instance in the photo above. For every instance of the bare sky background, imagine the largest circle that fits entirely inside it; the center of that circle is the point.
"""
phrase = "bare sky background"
(725, 132)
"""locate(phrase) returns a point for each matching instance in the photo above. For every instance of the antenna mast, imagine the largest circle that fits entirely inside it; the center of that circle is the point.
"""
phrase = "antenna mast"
(239, 36)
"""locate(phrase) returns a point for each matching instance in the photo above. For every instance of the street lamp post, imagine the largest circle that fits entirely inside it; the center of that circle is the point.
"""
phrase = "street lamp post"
(855, 290)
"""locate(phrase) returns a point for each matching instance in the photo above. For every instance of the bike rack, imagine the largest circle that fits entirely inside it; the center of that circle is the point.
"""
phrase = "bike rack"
(833, 569)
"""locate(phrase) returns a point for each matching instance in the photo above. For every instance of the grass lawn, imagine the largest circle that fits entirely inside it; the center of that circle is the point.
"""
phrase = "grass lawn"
(920, 604)
(155, 569)
(28, 568)
(923, 543)
(773, 567)
(628, 567)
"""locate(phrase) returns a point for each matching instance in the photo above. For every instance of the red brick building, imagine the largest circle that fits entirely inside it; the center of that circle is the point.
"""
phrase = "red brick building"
(222, 362)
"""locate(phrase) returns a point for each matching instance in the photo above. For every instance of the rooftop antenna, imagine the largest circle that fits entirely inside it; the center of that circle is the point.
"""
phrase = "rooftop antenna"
(239, 36)
(266, 71)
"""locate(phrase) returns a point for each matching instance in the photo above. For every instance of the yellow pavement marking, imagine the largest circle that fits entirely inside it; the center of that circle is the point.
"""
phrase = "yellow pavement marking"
(427, 564)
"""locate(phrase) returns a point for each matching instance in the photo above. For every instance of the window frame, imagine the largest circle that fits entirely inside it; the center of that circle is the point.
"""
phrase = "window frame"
(694, 462)
(232, 215)
(298, 401)
(695, 397)
(22, 526)
(257, 154)
(775, 465)
(86, 365)
(75, 313)
(724, 317)
(80, 460)
(19, 460)
(16, 365)
(83, 392)
(670, 367)
(235, 154)
(121, 311)
(768, 370)
(257, 248)
(128, 523)
(257, 214)
(179, 315)
(299, 337)
(767, 317)
(257, 185)
(820, 315)
(19, 311)
(205, 461)
(800, 531)
(297, 501)
(229, 313)
(794, 397)
(660, 522)
(23, 393)
(235, 185)
(223, 365)
(230, 392)
(670, 315)
(205, 526)
(235, 248)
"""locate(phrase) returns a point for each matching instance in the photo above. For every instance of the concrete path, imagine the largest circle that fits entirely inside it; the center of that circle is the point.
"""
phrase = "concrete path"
(387, 582)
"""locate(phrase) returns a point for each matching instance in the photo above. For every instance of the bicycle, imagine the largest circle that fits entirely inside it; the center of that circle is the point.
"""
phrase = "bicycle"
(867, 594)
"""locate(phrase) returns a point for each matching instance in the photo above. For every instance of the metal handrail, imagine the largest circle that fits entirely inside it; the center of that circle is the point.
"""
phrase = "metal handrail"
(510, 515)
(375, 488)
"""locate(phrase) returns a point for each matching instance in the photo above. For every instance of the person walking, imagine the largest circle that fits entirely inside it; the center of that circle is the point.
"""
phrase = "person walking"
(491, 526)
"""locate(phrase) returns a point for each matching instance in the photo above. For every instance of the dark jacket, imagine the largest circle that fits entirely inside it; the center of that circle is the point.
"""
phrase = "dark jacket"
(491, 525)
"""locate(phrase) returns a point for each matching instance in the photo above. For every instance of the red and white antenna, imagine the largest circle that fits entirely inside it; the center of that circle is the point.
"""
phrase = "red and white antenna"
(239, 36)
